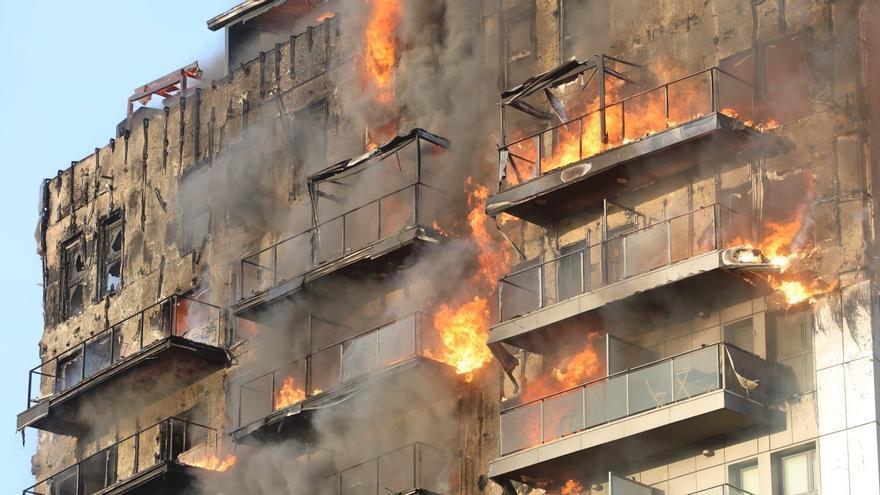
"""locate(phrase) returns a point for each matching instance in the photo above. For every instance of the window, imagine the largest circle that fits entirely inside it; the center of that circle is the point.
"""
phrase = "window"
(110, 241)
(310, 138)
(740, 334)
(73, 276)
(791, 344)
(519, 45)
(195, 209)
(745, 476)
(584, 28)
(796, 473)
(99, 471)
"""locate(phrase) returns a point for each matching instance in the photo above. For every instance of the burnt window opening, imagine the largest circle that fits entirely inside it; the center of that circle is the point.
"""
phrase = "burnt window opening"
(790, 343)
(98, 471)
(519, 45)
(783, 83)
(310, 140)
(111, 241)
(195, 209)
(73, 276)
(584, 28)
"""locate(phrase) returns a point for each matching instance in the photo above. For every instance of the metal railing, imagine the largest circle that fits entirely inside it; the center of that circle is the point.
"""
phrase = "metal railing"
(626, 120)
(591, 267)
(718, 367)
(724, 489)
(177, 315)
(170, 440)
(415, 467)
(334, 365)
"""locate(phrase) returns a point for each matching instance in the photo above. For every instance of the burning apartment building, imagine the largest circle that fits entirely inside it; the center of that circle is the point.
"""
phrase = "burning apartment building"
(334, 270)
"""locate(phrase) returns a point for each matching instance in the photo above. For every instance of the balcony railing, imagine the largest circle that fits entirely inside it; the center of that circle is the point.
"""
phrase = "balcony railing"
(629, 119)
(177, 316)
(170, 441)
(724, 489)
(333, 366)
(414, 467)
(637, 390)
(591, 267)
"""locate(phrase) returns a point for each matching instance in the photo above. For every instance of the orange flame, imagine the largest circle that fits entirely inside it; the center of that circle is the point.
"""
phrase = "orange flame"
(464, 325)
(381, 46)
(571, 487)
(213, 463)
(571, 371)
(288, 394)
(326, 15)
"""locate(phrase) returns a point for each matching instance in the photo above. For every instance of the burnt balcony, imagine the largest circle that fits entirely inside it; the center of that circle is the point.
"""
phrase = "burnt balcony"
(370, 214)
(163, 458)
(639, 412)
(179, 336)
(278, 404)
(609, 148)
(414, 469)
(671, 254)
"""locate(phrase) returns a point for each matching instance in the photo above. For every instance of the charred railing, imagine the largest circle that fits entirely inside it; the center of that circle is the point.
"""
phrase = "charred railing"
(594, 266)
(718, 367)
(405, 470)
(178, 316)
(171, 440)
(413, 201)
(724, 489)
(629, 119)
(335, 365)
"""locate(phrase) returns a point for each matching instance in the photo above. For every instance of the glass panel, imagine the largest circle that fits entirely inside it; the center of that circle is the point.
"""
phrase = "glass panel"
(522, 161)
(397, 212)
(197, 321)
(256, 273)
(748, 479)
(614, 261)
(125, 458)
(94, 472)
(615, 124)
(155, 324)
(325, 370)
(646, 249)
(329, 240)
(650, 387)
(696, 372)
(591, 132)
(290, 385)
(645, 114)
(294, 257)
(704, 232)
(397, 341)
(593, 264)
(130, 331)
(361, 227)
(563, 414)
(70, 370)
(438, 470)
(359, 356)
(519, 293)
(569, 275)
(359, 480)
(97, 354)
(255, 399)
(396, 471)
(150, 447)
(520, 428)
(797, 474)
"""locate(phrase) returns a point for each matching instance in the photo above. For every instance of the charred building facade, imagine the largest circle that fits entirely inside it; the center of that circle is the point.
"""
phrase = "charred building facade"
(335, 270)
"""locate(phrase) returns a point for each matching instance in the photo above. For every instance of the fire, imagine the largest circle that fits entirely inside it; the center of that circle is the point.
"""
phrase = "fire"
(761, 126)
(570, 372)
(288, 394)
(326, 15)
(214, 463)
(571, 487)
(381, 46)
(463, 325)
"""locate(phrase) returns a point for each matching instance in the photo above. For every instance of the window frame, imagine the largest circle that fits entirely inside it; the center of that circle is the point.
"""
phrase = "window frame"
(778, 475)
(526, 11)
(112, 221)
(74, 245)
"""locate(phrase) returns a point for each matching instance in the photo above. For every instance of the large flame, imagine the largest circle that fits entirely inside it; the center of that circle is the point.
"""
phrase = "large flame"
(288, 394)
(380, 44)
(571, 371)
(213, 462)
(463, 324)
(571, 487)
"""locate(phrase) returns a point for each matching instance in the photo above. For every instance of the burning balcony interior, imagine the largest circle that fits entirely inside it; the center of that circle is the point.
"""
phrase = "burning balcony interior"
(179, 336)
(659, 379)
(596, 120)
(360, 230)
(162, 458)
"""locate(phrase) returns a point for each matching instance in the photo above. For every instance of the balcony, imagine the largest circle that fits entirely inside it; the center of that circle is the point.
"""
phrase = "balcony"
(279, 403)
(642, 411)
(636, 140)
(163, 458)
(675, 253)
(370, 214)
(414, 469)
(116, 368)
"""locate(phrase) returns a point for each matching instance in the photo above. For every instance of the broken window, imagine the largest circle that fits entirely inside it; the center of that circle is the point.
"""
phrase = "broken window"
(519, 45)
(110, 239)
(65, 483)
(70, 371)
(73, 276)
(98, 471)
(584, 28)
(310, 138)
(791, 343)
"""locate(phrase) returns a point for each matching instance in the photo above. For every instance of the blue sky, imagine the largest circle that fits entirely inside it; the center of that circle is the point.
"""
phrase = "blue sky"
(66, 71)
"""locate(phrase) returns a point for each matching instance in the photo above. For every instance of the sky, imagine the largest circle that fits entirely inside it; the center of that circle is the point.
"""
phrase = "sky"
(66, 71)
